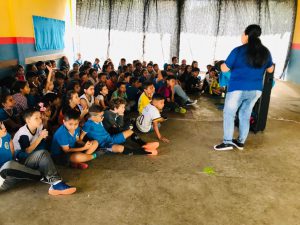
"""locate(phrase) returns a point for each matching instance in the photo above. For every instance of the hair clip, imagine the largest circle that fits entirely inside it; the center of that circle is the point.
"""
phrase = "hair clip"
(42, 108)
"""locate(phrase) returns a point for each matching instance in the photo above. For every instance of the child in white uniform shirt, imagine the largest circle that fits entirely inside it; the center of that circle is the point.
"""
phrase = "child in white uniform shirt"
(151, 118)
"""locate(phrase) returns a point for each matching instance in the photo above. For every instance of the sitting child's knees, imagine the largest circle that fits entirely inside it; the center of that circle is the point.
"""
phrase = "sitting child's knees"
(95, 143)
(118, 148)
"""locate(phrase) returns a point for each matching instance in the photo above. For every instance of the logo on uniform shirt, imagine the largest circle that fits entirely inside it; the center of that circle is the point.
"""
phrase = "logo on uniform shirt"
(6, 145)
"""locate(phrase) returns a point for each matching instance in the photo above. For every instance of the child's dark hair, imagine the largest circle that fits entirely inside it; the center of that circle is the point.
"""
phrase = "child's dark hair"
(92, 70)
(133, 80)
(39, 63)
(29, 112)
(144, 70)
(18, 85)
(113, 74)
(75, 64)
(49, 98)
(3, 98)
(127, 75)
(116, 102)
(31, 74)
(87, 84)
(171, 77)
(195, 69)
(119, 84)
(69, 95)
(146, 84)
(19, 67)
(164, 73)
(71, 85)
(99, 87)
(71, 115)
(95, 109)
(72, 73)
(158, 97)
(59, 75)
(102, 74)
(29, 67)
(81, 74)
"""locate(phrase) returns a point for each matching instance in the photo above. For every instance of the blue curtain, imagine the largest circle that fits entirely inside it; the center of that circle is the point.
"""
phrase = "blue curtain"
(49, 33)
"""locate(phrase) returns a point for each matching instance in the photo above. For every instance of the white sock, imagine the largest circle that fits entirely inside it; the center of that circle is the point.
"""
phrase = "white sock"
(56, 182)
(1, 181)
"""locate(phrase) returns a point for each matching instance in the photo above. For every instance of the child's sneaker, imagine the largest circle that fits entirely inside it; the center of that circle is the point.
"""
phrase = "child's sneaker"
(191, 102)
(180, 110)
(81, 166)
(237, 144)
(223, 147)
(151, 145)
(61, 189)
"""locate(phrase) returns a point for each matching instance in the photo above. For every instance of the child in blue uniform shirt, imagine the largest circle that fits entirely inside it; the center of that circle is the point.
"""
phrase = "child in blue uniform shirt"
(66, 147)
(95, 130)
(38, 166)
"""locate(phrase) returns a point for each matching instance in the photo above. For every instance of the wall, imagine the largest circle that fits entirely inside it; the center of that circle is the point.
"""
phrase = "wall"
(293, 72)
(17, 43)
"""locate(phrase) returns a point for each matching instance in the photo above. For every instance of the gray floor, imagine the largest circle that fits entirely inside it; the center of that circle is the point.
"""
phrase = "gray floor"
(259, 185)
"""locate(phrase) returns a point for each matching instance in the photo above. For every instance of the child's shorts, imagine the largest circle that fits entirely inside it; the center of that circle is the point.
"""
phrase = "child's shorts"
(114, 140)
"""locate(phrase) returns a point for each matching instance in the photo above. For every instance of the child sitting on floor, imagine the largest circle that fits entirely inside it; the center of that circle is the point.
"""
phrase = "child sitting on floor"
(8, 114)
(35, 163)
(88, 99)
(102, 95)
(120, 92)
(21, 89)
(146, 96)
(169, 93)
(66, 149)
(95, 130)
(150, 119)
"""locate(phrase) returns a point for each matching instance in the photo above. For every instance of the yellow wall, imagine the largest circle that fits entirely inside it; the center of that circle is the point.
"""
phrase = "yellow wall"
(16, 15)
(297, 26)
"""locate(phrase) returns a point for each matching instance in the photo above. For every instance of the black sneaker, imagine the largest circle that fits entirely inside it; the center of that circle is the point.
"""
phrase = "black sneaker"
(223, 147)
(237, 144)
(191, 102)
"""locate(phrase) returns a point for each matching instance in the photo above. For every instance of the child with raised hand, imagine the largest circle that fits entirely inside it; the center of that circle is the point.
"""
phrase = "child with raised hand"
(150, 119)
(146, 96)
(35, 163)
(67, 149)
(49, 86)
(95, 130)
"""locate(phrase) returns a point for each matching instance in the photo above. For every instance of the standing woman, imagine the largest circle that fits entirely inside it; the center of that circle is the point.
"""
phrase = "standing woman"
(247, 64)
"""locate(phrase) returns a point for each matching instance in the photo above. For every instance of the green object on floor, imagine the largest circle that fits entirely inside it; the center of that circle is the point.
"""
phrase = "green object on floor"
(209, 171)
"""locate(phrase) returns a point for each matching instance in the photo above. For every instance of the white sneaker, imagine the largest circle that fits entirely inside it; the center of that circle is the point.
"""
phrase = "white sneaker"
(191, 102)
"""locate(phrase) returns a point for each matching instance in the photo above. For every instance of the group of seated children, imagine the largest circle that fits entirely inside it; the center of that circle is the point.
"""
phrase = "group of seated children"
(72, 116)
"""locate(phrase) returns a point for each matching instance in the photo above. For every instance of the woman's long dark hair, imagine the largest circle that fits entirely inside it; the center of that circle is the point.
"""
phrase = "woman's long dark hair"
(257, 53)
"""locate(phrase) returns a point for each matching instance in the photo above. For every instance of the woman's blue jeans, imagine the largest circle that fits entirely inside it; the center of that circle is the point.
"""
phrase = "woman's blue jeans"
(243, 101)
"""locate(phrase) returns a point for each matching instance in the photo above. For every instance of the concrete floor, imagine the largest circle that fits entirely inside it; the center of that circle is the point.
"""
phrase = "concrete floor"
(259, 185)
